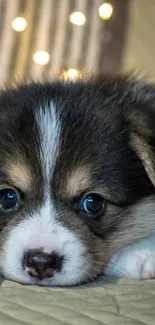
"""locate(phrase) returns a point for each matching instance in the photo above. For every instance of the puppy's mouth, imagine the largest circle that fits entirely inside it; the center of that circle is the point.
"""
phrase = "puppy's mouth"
(56, 269)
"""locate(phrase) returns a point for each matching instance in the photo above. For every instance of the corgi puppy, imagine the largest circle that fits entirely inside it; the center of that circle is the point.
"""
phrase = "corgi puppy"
(77, 176)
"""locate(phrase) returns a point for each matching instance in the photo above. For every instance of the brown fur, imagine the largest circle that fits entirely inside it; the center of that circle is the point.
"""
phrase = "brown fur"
(19, 176)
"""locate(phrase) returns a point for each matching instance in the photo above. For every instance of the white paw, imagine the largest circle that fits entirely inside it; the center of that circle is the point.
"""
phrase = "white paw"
(148, 268)
(136, 261)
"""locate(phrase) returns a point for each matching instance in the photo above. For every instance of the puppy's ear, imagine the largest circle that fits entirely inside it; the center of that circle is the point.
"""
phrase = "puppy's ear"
(141, 117)
(146, 152)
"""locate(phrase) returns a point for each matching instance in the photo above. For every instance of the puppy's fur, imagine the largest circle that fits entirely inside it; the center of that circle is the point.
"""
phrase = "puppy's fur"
(60, 141)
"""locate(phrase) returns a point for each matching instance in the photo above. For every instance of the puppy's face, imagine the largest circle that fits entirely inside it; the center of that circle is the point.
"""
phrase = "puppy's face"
(70, 181)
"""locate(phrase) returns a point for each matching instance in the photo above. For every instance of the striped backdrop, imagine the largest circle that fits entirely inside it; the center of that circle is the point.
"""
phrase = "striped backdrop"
(48, 28)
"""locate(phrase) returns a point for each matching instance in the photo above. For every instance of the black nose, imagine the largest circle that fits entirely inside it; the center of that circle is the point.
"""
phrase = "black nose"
(42, 265)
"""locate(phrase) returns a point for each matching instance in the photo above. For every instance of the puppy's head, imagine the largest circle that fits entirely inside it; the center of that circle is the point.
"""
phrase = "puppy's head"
(72, 184)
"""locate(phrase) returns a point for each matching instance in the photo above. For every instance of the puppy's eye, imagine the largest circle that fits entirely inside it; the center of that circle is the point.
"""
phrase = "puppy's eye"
(93, 204)
(9, 199)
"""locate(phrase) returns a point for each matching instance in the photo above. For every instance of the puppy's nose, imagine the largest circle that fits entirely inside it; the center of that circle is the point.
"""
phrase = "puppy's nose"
(42, 265)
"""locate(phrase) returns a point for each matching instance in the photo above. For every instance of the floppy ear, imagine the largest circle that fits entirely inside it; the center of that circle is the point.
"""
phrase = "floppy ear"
(146, 152)
(141, 117)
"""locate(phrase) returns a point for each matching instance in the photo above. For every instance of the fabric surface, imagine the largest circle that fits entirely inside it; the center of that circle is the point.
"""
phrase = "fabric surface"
(123, 302)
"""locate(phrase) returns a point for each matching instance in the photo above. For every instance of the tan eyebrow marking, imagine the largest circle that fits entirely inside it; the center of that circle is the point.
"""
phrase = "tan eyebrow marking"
(78, 181)
(20, 175)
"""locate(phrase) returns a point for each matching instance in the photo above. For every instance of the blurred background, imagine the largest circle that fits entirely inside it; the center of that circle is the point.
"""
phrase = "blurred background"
(68, 38)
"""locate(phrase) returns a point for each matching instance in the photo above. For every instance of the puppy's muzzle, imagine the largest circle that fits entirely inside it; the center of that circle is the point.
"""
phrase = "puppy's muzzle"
(42, 265)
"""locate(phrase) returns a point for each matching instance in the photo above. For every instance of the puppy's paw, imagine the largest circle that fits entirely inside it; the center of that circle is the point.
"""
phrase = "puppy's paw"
(148, 268)
(136, 261)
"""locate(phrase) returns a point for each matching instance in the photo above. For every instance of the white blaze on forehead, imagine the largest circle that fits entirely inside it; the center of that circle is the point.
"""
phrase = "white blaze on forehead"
(49, 128)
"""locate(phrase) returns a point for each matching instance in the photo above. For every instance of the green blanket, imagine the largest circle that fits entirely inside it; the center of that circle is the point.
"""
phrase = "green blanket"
(119, 303)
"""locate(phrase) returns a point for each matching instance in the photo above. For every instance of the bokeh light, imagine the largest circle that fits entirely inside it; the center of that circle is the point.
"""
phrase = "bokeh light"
(77, 18)
(41, 57)
(105, 11)
(19, 24)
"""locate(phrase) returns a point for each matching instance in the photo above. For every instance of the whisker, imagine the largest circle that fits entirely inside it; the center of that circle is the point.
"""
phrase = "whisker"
(111, 265)
(108, 262)
(120, 269)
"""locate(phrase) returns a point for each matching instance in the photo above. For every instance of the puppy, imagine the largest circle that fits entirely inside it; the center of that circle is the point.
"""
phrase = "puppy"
(76, 180)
